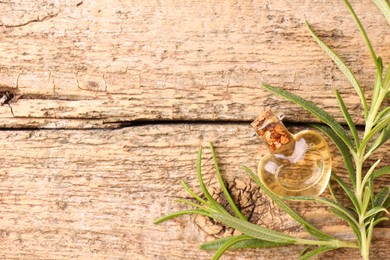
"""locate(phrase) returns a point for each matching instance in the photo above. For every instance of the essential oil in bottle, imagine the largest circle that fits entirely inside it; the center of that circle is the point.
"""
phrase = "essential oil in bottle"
(296, 165)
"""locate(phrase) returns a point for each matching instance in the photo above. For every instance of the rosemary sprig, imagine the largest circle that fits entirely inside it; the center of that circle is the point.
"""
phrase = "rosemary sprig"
(368, 207)
(254, 236)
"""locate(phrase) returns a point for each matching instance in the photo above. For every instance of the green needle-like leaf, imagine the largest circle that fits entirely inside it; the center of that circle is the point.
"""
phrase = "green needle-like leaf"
(315, 110)
(386, 204)
(348, 118)
(192, 193)
(378, 88)
(253, 230)
(381, 197)
(278, 201)
(323, 201)
(180, 213)
(376, 94)
(371, 186)
(383, 114)
(386, 81)
(366, 200)
(363, 32)
(344, 68)
(249, 242)
(383, 5)
(370, 172)
(353, 224)
(316, 252)
(348, 191)
(225, 191)
(206, 193)
(375, 211)
(331, 191)
(227, 245)
(383, 138)
(379, 220)
(344, 151)
(382, 171)
(305, 250)
(379, 127)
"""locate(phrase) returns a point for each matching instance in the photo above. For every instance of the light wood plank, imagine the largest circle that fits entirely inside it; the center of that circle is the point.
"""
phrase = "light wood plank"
(95, 193)
(135, 60)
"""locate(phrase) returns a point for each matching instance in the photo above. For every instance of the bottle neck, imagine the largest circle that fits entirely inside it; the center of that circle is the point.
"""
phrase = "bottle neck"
(274, 134)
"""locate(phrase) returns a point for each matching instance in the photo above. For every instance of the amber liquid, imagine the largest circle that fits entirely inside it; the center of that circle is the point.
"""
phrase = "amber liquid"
(302, 169)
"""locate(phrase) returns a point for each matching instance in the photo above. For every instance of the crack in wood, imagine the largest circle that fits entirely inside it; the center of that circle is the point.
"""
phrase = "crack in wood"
(37, 20)
(7, 97)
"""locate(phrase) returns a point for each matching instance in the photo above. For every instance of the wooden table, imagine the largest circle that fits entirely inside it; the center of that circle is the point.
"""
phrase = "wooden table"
(110, 100)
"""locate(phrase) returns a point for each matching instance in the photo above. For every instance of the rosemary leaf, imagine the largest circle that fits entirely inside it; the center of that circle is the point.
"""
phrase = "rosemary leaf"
(384, 113)
(192, 193)
(371, 186)
(253, 230)
(323, 201)
(382, 171)
(316, 252)
(249, 242)
(348, 118)
(180, 213)
(370, 172)
(366, 200)
(344, 68)
(383, 138)
(210, 198)
(379, 220)
(348, 191)
(374, 211)
(378, 85)
(227, 245)
(344, 151)
(386, 81)
(352, 224)
(379, 127)
(331, 191)
(386, 204)
(381, 197)
(224, 189)
(305, 249)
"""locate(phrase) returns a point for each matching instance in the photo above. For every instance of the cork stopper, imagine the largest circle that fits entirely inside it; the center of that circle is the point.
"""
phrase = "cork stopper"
(271, 130)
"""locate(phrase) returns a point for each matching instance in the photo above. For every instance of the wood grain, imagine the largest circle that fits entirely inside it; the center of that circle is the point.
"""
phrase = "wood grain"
(94, 140)
(166, 60)
(96, 193)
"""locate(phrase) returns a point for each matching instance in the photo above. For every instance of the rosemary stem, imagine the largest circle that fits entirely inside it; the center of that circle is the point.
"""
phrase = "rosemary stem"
(359, 188)
(331, 243)
(365, 244)
(359, 159)
(374, 111)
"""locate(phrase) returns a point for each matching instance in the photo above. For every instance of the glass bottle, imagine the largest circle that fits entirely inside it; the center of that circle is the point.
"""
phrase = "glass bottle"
(296, 164)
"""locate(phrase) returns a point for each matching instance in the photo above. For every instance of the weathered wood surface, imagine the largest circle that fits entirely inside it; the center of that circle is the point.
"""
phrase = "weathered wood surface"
(79, 67)
(95, 193)
(176, 60)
